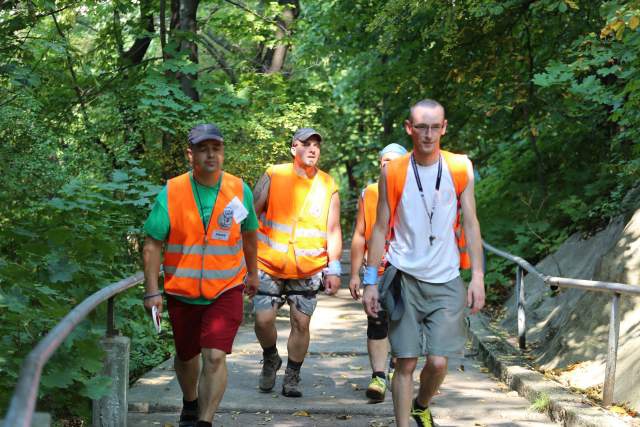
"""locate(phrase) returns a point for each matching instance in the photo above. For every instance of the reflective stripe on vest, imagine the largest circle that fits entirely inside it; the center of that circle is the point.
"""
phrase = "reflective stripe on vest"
(396, 178)
(310, 252)
(275, 225)
(294, 244)
(272, 244)
(204, 274)
(300, 232)
(204, 249)
(198, 263)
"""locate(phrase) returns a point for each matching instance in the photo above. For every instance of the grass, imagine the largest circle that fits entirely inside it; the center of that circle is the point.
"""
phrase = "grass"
(542, 403)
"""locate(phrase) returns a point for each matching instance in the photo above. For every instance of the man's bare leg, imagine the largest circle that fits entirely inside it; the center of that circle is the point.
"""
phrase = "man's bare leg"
(378, 350)
(298, 343)
(267, 334)
(265, 327)
(187, 372)
(213, 382)
(403, 389)
(431, 377)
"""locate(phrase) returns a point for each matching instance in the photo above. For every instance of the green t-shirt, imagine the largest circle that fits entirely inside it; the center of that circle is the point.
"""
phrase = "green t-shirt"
(158, 224)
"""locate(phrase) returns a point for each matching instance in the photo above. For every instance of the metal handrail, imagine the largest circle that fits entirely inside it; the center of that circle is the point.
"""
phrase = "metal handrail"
(588, 285)
(24, 396)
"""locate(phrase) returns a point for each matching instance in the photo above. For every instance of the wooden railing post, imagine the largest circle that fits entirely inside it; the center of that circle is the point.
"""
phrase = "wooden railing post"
(612, 353)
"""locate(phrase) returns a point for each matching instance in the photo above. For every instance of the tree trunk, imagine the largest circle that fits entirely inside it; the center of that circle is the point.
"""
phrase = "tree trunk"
(274, 58)
(188, 23)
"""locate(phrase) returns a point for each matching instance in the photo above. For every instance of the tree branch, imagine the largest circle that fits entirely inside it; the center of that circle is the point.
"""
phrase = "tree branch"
(264, 18)
(220, 59)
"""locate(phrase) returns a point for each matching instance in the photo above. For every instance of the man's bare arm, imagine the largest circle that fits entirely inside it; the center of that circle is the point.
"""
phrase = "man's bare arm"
(376, 249)
(358, 244)
(471, 225)
(250, 249)
(334, 243)
(152, 257)
(381, 227)
(358, 241)
(334, 232)
(261, 194)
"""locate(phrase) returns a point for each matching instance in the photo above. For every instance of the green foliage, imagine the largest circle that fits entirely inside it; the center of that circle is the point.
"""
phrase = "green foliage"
(61, 250)
(542, 403)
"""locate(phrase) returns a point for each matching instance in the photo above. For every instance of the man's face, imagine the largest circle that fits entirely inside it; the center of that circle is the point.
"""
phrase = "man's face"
(387, 158)
(207, 156)
(426, 126)
(306, 153)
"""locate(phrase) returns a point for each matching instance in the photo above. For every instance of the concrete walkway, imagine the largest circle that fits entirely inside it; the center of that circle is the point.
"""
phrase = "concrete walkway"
(334, 376)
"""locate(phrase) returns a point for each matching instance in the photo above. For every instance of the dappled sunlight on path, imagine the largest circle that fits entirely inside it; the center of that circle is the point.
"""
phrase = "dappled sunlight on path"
(334, 378)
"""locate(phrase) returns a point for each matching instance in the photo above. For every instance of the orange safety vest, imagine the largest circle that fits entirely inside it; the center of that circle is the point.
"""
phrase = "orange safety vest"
(293, 245)
(370, 206)
(397, 176)
(198, 263)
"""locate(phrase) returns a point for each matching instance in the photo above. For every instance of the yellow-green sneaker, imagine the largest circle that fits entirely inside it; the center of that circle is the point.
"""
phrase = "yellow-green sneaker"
(423, 417)
(377, 389)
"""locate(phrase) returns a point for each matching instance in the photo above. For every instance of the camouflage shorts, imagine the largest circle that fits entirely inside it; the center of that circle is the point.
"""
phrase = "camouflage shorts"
(273, 292)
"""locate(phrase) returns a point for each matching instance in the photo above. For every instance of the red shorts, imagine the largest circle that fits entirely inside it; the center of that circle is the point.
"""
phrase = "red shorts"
(205, 326)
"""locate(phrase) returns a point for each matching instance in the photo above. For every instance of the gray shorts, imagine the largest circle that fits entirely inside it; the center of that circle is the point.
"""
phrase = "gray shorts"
(273, 292)
(425, 318)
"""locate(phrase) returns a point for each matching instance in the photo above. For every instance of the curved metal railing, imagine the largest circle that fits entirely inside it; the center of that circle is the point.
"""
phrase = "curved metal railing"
(616, 289)
(23, 401)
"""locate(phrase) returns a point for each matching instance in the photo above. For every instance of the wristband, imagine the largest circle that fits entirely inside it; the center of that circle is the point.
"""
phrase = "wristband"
(157, 294)
(370, 275)
(334, 268)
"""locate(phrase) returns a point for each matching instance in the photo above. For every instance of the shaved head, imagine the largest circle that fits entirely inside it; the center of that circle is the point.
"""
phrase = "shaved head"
(425, 103)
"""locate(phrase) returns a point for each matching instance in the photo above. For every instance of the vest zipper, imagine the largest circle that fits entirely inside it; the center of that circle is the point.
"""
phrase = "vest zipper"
(204, 248)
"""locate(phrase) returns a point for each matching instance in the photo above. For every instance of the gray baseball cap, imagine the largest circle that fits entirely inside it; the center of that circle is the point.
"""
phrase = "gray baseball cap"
(204, 132)
(303, 134)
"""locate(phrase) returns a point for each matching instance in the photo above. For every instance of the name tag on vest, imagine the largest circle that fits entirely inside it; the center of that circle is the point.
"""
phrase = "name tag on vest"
(220, 235)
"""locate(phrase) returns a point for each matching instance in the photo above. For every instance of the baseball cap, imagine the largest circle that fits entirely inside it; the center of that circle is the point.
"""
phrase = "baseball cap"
(393, 148)
(203, 132)
(303, 134)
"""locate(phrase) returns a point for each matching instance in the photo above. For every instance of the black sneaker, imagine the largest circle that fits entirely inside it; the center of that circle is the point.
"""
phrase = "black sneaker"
(270, 366)
(291, 383)
(188, 417)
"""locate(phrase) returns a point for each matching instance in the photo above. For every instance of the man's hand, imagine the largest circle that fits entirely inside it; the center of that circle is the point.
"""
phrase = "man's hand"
(354, 286)
(153, 301)
(370, 300)
(475, 295)
(251, 283)
(331, 284)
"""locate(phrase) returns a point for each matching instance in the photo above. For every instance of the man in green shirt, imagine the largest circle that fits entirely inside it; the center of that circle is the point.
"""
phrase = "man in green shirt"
(206, 221)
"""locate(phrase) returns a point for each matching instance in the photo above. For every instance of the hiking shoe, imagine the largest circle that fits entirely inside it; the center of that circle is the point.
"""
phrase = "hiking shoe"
(291, 383)
(188, 417)
(270, 365)
(377, 389)
(423, 417)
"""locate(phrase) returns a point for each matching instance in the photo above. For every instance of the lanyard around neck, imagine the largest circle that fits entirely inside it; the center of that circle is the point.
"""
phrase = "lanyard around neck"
(204, 225)
(435, 195)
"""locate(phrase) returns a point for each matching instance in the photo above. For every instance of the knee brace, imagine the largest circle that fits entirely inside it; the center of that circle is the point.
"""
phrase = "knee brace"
(377, 328)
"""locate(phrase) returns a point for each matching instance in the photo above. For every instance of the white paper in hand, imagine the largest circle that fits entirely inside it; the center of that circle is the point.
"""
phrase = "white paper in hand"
(155, 316)
(239, 211)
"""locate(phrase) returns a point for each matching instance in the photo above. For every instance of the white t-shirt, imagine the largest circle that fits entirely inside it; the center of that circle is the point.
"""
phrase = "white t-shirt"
(409, 249)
